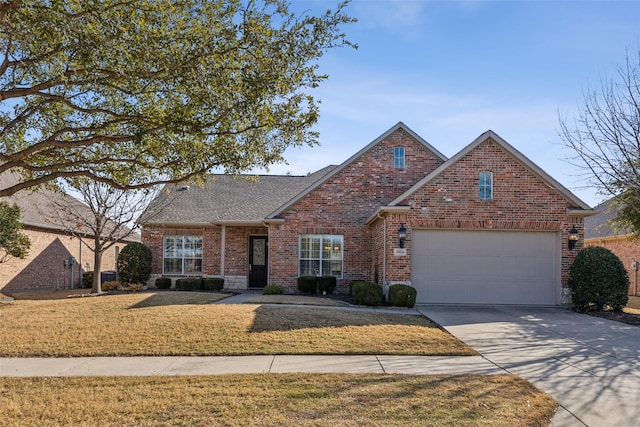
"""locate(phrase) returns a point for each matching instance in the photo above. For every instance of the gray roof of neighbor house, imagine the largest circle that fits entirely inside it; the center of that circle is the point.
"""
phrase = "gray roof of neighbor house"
(599, 226)
(224, 199)
(39, 207)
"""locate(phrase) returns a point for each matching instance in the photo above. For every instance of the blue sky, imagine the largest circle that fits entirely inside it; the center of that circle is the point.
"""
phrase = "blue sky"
(451, 70)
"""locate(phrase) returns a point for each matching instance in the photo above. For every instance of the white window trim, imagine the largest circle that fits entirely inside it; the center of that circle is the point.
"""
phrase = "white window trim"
(182, 258)
(480, 186)
(322, 236)
(403, 158)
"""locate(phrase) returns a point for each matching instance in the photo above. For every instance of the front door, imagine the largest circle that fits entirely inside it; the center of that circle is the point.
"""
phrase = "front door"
(258, 261)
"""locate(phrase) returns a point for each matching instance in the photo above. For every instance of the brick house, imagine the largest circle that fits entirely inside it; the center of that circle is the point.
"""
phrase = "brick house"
(49, 263)
(599, 231)
(486, 226)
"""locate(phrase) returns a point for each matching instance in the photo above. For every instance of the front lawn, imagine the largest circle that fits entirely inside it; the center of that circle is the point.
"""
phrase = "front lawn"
(186, 323)
(275, 400)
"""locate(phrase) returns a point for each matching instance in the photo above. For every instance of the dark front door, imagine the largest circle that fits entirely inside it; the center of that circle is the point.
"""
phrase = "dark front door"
(258, 261)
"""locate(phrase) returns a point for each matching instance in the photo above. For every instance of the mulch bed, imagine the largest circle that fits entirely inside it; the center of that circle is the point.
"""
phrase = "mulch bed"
(628, 318)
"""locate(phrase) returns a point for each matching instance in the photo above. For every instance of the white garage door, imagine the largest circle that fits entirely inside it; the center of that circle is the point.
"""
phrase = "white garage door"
(486, 267)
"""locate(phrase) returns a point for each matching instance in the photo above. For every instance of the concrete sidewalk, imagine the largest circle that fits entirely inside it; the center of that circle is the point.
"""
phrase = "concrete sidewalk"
(218, 365)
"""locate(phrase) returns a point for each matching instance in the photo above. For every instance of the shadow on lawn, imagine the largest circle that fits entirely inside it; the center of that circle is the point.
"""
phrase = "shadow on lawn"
(167, 298)
(282, 318)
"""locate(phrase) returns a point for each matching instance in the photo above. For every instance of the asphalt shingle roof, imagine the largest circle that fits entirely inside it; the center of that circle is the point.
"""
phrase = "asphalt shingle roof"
(225, 198)
(599, 226)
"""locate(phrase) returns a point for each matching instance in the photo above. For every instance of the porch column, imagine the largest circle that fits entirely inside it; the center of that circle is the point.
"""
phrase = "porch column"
(223, 245)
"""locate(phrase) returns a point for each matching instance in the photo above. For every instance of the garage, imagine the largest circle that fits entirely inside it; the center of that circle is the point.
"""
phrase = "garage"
(486, 267)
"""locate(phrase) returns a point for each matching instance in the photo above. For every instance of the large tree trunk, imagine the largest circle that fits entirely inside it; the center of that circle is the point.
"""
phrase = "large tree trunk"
(97, 263)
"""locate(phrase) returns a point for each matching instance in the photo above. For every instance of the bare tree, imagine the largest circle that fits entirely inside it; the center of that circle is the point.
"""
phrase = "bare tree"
(107, 216)
(605, 138)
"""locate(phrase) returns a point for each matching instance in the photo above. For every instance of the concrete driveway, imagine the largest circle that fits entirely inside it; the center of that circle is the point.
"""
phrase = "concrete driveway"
(590, 366)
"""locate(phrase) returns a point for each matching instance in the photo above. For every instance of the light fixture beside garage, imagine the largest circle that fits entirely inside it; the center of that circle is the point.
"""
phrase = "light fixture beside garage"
(402, 235)
(573, 237)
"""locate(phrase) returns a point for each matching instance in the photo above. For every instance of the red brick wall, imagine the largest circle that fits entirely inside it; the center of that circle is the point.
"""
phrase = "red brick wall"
(152, 237)
(628, 251)
(44, 267)
(237, 246)
(343, 204)
(521, 201)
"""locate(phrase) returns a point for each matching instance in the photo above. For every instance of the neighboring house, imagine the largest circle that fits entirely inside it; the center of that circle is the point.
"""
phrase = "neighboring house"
(486, 226)
(599, 231)
(57, 258)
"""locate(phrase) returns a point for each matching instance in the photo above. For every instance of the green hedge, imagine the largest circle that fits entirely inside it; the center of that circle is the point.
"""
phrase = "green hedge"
(598, 280)
(367, 293)
(189, 284)
(307, 284)
(212, 283)
(402, 295)
(353, 283)
(87, 279)
(163, 283)
(273, 290)
(327, 284)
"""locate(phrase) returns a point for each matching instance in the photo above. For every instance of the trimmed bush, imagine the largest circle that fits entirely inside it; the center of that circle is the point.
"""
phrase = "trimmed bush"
(134, 263)
(307, 284)
(598, 280)
(87, 279)
(273, 290)
(353, 283)
(110, 286)
(189, 284)
(327, 284)
(402, 295)
(212, 283)
(367, 293)
(163, 283)
(132, 287)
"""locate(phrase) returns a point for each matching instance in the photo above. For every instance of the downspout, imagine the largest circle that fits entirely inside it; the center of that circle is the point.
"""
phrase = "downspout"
(223, 240)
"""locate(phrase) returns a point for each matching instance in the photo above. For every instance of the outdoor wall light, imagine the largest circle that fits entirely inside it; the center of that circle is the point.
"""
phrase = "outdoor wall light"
(573, 237)
(402, 235)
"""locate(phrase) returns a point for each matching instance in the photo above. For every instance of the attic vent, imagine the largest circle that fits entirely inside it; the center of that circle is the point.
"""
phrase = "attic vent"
(182, 188)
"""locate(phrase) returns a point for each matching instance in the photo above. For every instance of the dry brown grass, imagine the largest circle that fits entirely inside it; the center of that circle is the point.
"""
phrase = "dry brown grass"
(295, 300)
(185, 323)
(274, 400)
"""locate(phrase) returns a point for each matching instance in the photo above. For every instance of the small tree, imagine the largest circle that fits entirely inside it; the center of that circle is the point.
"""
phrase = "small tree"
(598, 280)
(134, 263)
(12, 241)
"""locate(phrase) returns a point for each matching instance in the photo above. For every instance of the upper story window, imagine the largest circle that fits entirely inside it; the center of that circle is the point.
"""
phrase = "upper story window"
(398, 157)
(486, 185)
(182, 255)
(320, 255)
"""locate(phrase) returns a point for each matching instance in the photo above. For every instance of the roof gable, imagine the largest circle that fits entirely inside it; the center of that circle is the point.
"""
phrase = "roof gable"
(535, 169)
(225, 199)
(356, 156)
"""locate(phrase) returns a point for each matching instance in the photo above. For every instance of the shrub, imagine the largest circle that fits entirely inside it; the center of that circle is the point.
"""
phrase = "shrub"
(307, 284)
(402, 295)
(598, 280)
(353, 283)
(327, 284)
(133, 287)
(189, 284)
(163, 283)
(273, 290)
(87, 279)
(134, 263)
(212, 283)
(110, 286)
(367, 293)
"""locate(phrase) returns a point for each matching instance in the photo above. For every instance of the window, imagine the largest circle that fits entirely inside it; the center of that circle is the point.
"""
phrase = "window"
(320, 255)
(486, 185)
(398, 157)
(182, 255)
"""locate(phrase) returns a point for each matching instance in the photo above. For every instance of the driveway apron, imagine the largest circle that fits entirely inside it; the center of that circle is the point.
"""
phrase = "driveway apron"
(589, 365)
